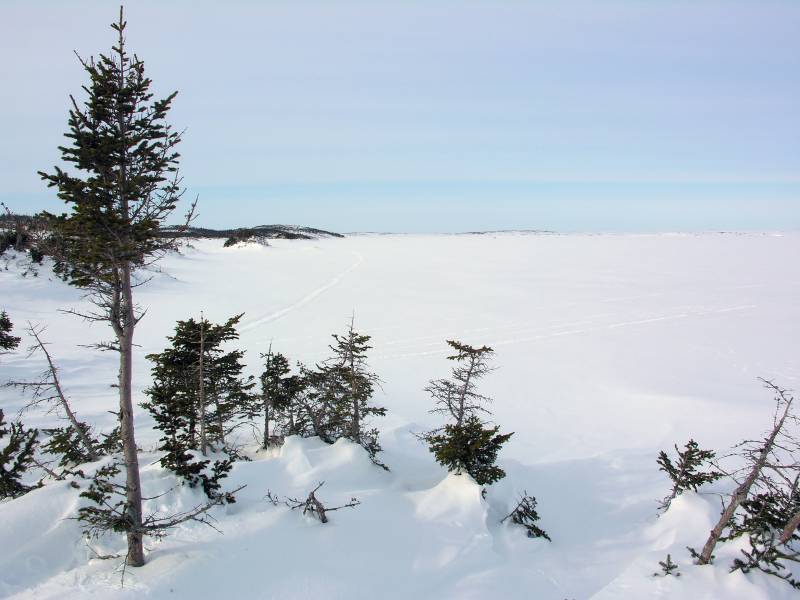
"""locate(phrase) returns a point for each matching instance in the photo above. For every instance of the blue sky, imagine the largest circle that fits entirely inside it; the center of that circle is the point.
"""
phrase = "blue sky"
(441, 116)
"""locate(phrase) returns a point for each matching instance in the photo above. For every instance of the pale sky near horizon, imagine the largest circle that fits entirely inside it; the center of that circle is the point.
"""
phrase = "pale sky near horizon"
(613, 115)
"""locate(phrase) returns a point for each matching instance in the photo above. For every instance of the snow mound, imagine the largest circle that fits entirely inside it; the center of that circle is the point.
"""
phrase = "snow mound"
(457, 499)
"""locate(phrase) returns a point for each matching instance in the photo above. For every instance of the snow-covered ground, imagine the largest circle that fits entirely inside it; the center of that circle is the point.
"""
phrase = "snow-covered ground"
(609, 348)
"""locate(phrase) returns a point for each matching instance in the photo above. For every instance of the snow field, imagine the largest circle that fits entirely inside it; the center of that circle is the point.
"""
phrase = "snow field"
(608, 349)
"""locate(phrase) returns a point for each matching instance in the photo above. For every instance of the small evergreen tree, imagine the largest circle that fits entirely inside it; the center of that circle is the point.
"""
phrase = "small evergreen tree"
(335, 398)
(198, 387)
(8, 342)
(289, 402)
(470, 447)
(667, 568)
(173, 400)
(525, 514)
(468, 444)
(229, 391)
(320, 403)
(350, 358)
(275, 391)
(194, 370)
(16, 456)
(685, 472)
(354, 384)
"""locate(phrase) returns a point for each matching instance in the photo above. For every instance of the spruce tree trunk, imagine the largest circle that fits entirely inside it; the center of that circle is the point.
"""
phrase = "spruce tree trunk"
(193, 431)
(202, 391)
(220, 422)
(355, 433)
(462, 397)
(19, 243)
(126, 322)
(266, 397)
(355, 428)
(266, 418)
(133, 488)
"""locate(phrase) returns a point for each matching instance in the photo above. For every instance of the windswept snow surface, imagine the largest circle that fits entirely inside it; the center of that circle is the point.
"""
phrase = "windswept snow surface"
(609, 348)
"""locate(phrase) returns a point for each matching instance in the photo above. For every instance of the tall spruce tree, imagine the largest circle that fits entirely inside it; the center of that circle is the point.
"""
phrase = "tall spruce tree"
(467, 443)
(123, 185)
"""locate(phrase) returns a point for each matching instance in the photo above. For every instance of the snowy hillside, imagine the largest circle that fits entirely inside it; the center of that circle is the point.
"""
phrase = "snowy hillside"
(608, 350)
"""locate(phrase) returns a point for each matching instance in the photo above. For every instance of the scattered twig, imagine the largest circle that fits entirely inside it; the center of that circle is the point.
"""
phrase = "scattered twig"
(311, 505)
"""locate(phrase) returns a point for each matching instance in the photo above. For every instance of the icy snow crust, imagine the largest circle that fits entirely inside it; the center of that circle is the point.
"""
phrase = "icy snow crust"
(609, 348)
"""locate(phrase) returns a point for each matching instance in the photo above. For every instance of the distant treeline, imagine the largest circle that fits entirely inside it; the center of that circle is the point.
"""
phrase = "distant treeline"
(284, 232)
(16, 230)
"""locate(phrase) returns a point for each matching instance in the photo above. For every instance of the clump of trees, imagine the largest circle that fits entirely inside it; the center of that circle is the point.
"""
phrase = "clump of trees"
(245, 236)
(13, 230)
(25, 233)
(199, 397)
(333, 400)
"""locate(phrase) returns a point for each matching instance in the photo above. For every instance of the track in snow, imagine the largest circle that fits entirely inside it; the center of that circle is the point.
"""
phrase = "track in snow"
(567, 332)
(305, 299)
